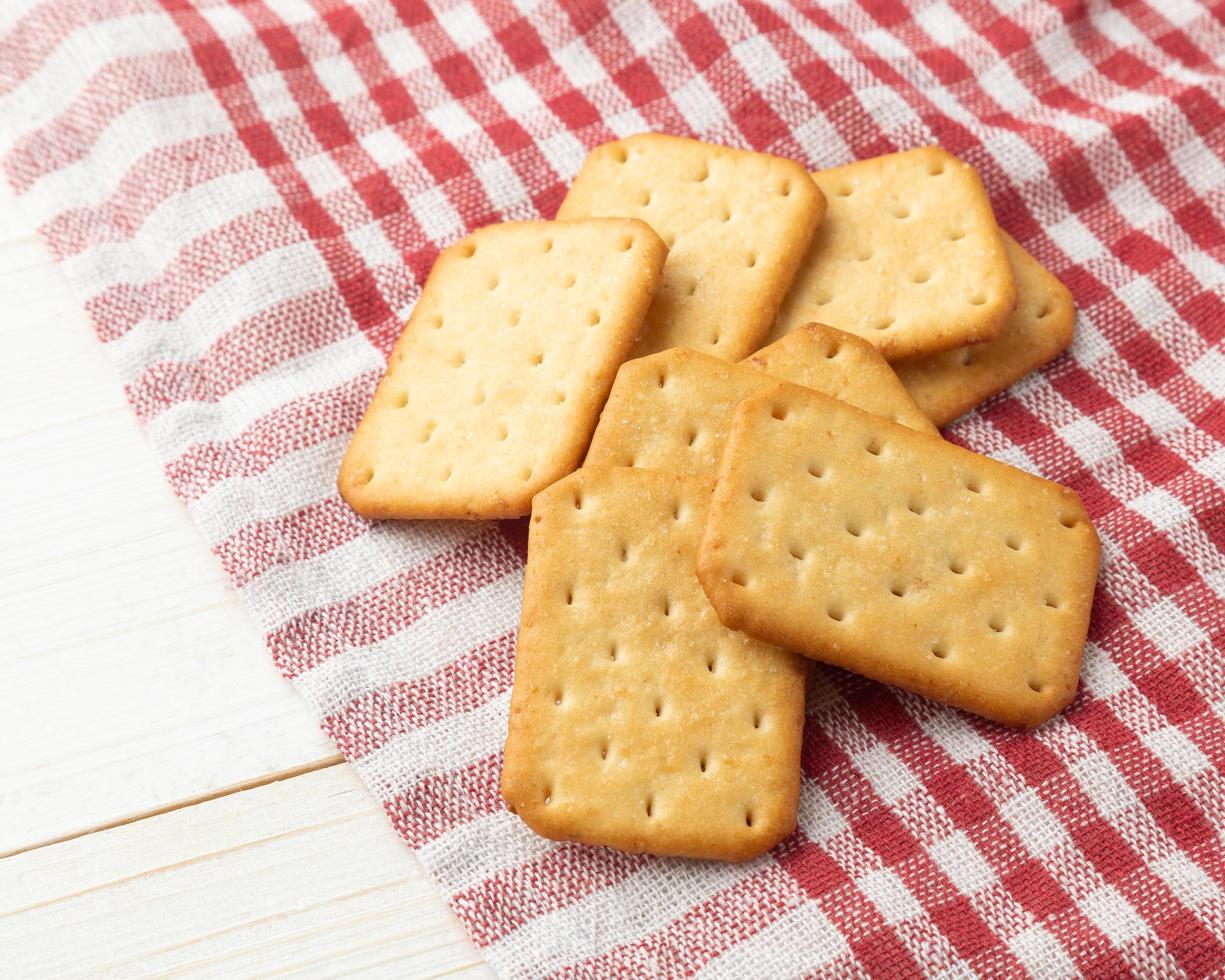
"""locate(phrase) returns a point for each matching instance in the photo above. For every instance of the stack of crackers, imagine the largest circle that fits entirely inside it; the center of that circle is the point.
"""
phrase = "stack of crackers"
(715, 383)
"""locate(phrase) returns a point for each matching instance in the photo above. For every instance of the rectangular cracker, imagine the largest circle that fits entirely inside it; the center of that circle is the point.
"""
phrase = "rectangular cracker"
(671, 410)
(736, 224)
(845, 367)
(908, 257)
(496, 383)
(949, 384)
(900, 557)
(636, 720)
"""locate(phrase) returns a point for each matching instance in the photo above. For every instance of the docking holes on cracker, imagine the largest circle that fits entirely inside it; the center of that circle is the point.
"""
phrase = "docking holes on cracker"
(845, 367)
(497, 381)
(949, 384)
(908, 257)
(637, 721)
(736, 224)
(901, 557)
(671, 410)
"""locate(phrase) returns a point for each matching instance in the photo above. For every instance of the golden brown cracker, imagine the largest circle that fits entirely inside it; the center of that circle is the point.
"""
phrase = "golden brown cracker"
(949, 384)
(497, 381)
(736, 224)
(908, 257)
(637, 721)
(901, 557)
(671, 410)
(845, 367)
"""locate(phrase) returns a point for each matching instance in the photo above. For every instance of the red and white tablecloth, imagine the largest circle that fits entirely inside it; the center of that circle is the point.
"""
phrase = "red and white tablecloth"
(247, 196)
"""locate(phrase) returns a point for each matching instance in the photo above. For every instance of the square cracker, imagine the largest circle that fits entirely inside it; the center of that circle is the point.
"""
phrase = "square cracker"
(496, 383)
(736, 224)
(845, 367)
(898, 556)
(949, 384)
(908, 257)
(671, 410)
(636, 720)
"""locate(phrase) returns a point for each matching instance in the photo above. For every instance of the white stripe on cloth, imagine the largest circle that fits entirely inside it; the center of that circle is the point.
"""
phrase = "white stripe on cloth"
(154, 122)
(218, 307)
(455, 742)
(319, 370)
(40, 97)
(615, 915)
(296, 480)
(285, 592)
(172, 226)
(802, 941)
(421, 648)
(476, 850)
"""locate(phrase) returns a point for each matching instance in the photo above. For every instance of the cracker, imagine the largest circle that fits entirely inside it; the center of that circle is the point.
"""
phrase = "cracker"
(949, 384)
(908, 257)
(636, 720)
(901, 557)
(496, 383)
(845, 367)
(736, 224)
(671, 410)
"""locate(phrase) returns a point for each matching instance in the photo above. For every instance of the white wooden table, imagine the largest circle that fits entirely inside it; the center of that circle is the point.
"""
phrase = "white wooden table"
(167, 804)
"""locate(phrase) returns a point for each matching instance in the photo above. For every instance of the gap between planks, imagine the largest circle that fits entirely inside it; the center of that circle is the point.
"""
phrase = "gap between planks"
(302, 874)
(240, 787)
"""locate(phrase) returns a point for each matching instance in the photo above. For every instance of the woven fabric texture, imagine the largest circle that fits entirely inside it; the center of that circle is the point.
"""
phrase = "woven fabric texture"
(247, 197)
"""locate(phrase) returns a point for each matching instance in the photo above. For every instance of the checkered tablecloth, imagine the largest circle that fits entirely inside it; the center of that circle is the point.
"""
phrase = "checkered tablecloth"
(247, 197)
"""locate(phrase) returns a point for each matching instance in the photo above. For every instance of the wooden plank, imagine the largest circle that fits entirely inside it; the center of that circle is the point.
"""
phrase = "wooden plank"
(303, 875)
(14, 225)
(134, 683)
(134, 679)
(54, 369)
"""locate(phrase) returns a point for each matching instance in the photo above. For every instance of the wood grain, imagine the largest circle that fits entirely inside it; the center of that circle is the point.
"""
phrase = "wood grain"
(134, 678)
(167, 802)
(300, 875)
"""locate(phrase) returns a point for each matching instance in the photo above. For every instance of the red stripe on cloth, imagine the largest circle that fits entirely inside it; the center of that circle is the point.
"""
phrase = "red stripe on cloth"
(387, 608)
(876, 947)
(567, 873)
(1128, 430)
(295, 425)
(849, 859)
(519, 41)
(1099, 844)
(352, 278)
(1173, 809)
(516, 532)
(116, 89)
(763, 115)
(445, 164)
(633, 76)
(948, 802)
(685, 945)
(463, 684)
(889, 840)
(280, 333)
(438, 803)
(311, 531)
(324, 117)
